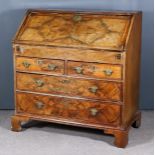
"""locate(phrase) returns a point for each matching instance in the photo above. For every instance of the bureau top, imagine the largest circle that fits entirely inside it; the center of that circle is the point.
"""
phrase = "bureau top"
(93, 30)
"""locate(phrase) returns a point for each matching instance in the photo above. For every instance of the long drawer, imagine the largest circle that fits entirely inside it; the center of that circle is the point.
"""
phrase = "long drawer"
(70, 109)
(96, 89)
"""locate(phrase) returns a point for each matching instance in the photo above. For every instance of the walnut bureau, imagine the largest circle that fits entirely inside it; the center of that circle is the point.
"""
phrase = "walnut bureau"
(78, 68)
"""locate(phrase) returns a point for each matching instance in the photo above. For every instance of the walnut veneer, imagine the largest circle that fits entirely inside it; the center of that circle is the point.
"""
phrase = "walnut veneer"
(79, 68)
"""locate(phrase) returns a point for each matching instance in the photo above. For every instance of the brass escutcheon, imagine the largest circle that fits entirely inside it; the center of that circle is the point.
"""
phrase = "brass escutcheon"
(93, 111)
(118, 56)
(93, 89)
(39, 62)
(77, 18)
(19, 49)
(65, 81)
(39, 105)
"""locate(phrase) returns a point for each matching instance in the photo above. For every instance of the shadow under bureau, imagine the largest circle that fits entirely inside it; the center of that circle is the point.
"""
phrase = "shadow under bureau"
(78, 68)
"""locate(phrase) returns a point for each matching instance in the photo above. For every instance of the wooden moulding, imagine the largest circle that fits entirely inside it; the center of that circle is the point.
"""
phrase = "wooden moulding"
(121, 135)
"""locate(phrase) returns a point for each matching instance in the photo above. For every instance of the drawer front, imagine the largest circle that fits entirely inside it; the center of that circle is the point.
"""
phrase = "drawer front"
(70, 54)
(95, 70)
(71, 109)
(96, 89)
(40, 65)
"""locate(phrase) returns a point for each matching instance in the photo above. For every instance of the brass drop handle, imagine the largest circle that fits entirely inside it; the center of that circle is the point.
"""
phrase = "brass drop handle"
(52, 67)
(93, 89)
(26, 64)
(39, 83)
(108, 72)
(93, 111)
(78, 70)
(39, 105)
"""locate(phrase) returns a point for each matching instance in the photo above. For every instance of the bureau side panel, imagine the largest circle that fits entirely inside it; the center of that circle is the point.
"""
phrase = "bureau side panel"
(132, 72)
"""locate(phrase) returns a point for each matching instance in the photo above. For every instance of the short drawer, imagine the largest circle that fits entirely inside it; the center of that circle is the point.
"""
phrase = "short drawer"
(96, 89)
(40, 65)
(71, 109)
(96, 70)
